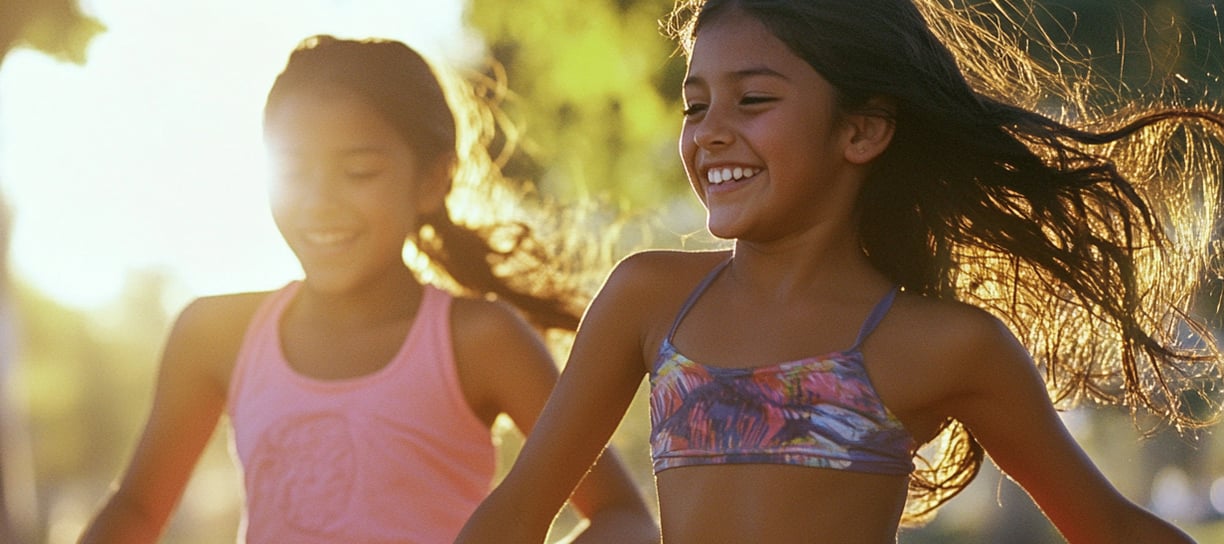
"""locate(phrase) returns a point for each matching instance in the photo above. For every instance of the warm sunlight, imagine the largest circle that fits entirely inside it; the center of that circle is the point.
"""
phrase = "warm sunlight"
(148, 157)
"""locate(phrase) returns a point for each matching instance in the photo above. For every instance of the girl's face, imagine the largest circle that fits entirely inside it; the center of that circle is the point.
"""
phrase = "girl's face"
(346, 189)
(763, 140)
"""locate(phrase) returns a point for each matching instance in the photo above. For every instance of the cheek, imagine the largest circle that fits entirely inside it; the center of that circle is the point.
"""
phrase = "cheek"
(688, 152)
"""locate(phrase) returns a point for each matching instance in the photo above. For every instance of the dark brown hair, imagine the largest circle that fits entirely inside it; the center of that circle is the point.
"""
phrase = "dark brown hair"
(1087, 240)
(483, 242)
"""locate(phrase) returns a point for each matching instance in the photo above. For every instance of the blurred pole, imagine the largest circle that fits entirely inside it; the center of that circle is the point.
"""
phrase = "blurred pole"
(17, 511)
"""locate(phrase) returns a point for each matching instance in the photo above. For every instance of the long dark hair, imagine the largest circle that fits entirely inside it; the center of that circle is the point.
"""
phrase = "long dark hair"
(1088, 240)
(483, 241)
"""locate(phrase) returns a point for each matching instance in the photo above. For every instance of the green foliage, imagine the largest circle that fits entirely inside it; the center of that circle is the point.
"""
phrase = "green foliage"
(596, 91)
(55, 27)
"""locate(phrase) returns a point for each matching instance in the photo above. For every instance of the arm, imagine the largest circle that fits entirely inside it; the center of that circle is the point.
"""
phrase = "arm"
(187, 403)
(1003, 401)
(599, 381)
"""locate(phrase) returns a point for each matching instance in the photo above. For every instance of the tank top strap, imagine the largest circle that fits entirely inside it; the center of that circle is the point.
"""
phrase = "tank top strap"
(873, 319)
(692, 298)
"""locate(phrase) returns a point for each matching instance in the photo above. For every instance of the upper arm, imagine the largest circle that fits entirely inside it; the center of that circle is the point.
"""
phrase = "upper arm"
(188, 398)
(503, 365)
(1001, 398)
(507, 369)
(596, 386)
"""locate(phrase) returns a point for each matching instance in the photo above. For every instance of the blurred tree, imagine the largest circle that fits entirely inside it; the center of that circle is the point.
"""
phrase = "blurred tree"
(595, 85)
(55, 27)
(58, 28)
(595, 88)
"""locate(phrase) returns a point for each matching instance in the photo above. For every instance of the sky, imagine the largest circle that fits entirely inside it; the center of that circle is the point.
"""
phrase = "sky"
(148, 157)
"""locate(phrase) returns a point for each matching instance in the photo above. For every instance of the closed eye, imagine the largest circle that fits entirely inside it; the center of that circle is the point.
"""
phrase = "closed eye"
(362, 175)
(693, 109)
(754, 100)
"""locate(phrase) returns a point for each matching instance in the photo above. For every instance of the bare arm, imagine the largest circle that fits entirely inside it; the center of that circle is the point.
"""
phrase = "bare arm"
(187, 404)
(595, 389)
(1003, 401)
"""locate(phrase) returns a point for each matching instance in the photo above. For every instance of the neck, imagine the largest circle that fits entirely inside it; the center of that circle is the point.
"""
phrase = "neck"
(813, 264)
(393, 296)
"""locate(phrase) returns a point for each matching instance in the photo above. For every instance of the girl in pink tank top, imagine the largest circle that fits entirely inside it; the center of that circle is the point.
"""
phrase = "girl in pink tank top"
(361, 397)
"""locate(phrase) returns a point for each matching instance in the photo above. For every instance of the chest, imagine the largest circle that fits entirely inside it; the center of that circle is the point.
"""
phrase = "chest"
(334, 353)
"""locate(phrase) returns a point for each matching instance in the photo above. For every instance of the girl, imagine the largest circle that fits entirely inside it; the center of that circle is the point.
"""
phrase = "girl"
(890, 224)
(362, 396)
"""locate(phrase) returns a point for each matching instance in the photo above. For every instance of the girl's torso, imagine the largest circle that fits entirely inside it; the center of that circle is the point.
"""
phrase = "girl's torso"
(353, 449)
(727, 332)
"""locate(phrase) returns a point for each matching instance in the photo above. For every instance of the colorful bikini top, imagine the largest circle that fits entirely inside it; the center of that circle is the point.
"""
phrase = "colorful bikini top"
(816, 412)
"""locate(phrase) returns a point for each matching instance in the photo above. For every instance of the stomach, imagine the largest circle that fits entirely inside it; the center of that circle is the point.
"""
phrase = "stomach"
(778, 504)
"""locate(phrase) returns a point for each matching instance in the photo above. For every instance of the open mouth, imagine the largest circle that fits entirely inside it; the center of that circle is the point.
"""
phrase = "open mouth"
(718, 176)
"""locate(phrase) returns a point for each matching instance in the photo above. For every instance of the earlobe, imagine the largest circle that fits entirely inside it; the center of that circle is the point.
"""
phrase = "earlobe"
(872, 128)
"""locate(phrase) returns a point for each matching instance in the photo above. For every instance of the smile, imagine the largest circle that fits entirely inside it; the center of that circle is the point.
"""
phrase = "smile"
(718, 175)
(327, 237)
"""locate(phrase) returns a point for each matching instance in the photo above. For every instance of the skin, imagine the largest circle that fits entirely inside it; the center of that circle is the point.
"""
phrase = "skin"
(347, 193)
(797, 278)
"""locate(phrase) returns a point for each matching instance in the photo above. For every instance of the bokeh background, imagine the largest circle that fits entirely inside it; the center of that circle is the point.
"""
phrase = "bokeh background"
(132, 176)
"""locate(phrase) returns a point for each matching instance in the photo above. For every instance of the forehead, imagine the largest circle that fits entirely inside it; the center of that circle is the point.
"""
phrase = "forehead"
(736, 42)
(327, 117)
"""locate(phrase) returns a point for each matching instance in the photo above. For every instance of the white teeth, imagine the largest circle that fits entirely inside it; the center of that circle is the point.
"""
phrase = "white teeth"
(719, 175)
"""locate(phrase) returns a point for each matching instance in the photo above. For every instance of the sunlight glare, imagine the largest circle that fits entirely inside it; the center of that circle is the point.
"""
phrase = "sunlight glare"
(149, 156)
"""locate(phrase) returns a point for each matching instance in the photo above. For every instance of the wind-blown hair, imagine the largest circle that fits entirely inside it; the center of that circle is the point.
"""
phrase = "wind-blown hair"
(1085, 230)
(482, 241)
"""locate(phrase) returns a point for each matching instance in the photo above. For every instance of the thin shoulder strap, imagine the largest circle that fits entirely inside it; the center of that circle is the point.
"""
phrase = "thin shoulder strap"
(873, 319)
(692, 298)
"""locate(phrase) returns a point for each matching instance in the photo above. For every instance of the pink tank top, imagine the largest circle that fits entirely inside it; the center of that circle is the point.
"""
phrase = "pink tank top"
(393, 456)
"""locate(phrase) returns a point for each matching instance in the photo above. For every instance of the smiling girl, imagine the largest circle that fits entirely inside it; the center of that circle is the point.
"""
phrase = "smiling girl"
(361, 396)
(899, 239)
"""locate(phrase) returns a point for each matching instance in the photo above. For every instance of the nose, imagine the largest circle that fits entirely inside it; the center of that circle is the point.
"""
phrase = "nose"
(712, 130)
(319, 191)
(308, 189)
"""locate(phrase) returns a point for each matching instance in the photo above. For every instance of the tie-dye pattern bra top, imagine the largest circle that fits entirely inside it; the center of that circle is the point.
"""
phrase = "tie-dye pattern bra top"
(816, 412)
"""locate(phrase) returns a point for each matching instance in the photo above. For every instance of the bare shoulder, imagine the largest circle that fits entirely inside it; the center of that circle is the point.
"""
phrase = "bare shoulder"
(501, 360)
(476, 321)
(929, 353)
(951, 327)
(209, 331)
(642, 295)
(956, 339)
(221, 318)
(649, 274)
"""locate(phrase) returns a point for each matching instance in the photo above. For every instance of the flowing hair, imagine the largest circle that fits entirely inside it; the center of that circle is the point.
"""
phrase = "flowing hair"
(495, 237)
(1008, 185)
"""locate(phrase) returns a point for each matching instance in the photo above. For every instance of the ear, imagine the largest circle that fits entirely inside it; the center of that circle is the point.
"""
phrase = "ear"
(434, 184)
(871, 129)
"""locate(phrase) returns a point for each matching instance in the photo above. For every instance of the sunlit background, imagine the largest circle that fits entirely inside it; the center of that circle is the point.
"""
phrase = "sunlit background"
(133, 175)
(147, 157)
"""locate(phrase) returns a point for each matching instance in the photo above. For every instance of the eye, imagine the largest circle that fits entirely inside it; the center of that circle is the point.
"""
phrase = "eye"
(361, 174)
(754, 100)
(694, 109)
(363, 168)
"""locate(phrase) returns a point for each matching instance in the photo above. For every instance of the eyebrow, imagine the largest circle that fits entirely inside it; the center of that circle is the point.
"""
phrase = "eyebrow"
(343, 152)
(742, 74)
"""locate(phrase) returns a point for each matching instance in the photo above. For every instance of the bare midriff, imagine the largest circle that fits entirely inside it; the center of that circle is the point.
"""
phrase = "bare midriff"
(778, 504)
